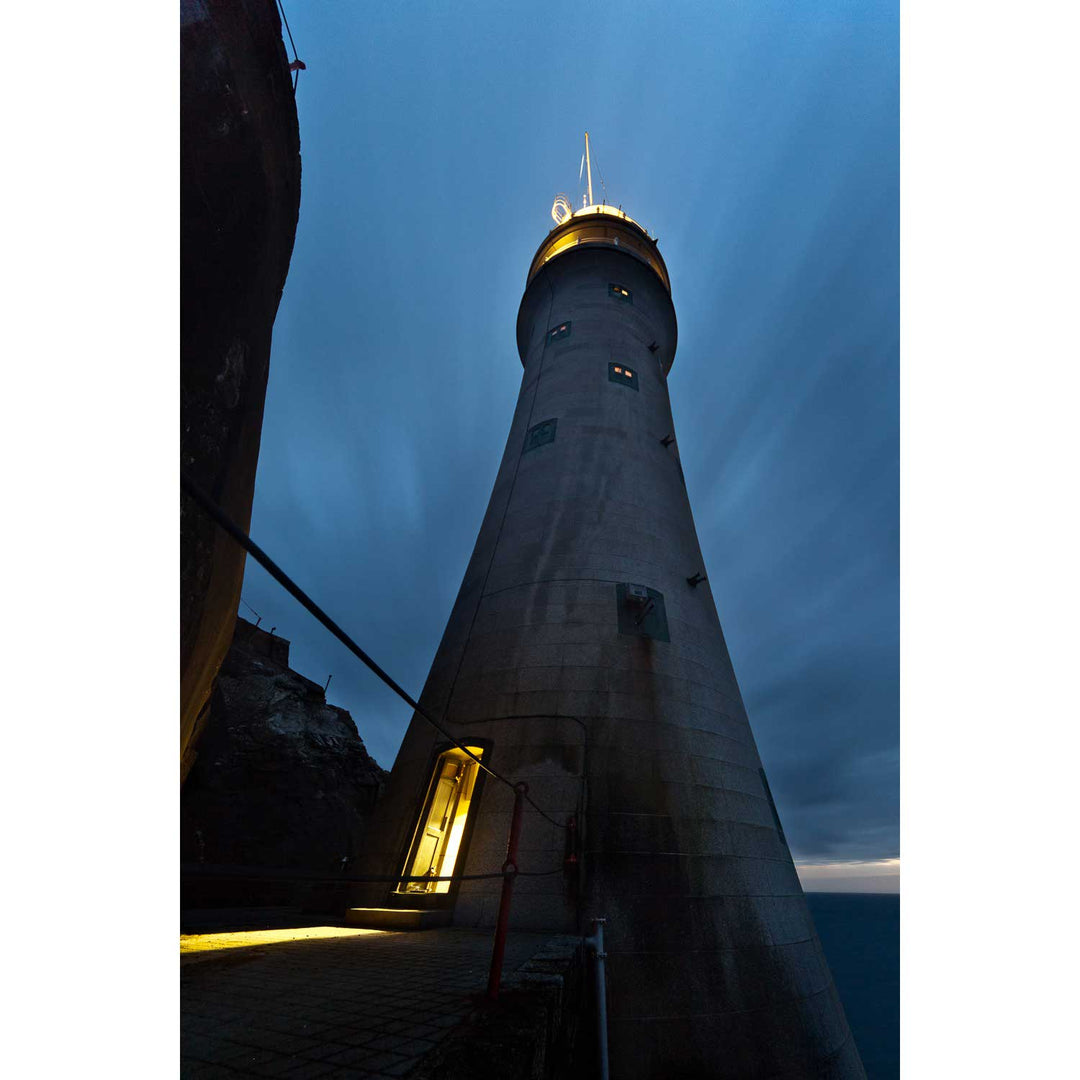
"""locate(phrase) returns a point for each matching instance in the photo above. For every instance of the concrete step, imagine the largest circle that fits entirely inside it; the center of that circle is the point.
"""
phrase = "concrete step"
(381, 918)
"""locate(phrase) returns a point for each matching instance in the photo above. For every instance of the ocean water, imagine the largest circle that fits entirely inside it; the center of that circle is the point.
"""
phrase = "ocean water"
(860, 933)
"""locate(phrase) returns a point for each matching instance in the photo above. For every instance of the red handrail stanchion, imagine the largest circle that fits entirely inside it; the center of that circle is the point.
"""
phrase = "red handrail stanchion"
(509, 870)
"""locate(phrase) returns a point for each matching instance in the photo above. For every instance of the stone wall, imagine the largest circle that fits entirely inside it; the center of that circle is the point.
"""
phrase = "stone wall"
(534, 1031)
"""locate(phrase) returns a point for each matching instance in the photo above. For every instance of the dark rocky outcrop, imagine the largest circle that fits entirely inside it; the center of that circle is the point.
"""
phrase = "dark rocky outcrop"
(240, 199)
(283, 783)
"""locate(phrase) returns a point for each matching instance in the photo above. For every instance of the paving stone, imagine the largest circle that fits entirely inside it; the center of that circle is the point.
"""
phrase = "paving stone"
(393, 1027)
(252, 1059)
(280, 1066)
(319, 1008)
(282, 1042)
(206, 1071)
(381, 1062)
(387, 1042)
(445, 1021)
(427, 1031)
(399, 1070)
(416, 1048)
(230, 1052)
(308, 1070)
(321, 1050)
(211, 1049)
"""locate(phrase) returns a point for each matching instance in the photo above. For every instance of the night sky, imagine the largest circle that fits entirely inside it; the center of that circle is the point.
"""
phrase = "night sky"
(760, 143)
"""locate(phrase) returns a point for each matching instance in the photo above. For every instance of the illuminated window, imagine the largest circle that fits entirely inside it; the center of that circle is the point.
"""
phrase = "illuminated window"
(559, 332)
(621, 292)
(441, 828)
(618, 373)
(541, 433)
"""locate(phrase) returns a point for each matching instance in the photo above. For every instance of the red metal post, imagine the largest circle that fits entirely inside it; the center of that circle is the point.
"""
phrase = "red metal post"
(509, 870)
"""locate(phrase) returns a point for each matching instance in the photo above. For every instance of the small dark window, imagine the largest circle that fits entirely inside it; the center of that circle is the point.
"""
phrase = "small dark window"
(641, 612)
(541, 433)
(559, 332)
(620, 292)
(620, 373)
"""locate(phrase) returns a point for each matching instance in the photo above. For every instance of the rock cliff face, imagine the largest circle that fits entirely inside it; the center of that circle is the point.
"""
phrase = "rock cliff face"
(283, 780)
(239, 201)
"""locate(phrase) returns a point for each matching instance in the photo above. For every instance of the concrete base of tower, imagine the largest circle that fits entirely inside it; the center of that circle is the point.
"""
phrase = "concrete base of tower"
(732, 1046)
(537, 913)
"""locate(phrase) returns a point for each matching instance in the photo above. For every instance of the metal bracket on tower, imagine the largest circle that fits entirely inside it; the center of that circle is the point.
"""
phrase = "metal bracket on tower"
(697, 579)
(667, 440)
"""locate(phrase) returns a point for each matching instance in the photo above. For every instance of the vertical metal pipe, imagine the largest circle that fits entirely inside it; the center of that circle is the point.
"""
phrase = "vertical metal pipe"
(597, 943)
(509, 870)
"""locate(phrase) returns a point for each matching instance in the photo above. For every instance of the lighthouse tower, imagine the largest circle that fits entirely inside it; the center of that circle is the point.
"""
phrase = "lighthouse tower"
(584, 656)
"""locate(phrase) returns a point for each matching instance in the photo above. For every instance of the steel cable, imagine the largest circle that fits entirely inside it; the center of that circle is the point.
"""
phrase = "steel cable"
(283, 579)
(285, 20)
(269, 873)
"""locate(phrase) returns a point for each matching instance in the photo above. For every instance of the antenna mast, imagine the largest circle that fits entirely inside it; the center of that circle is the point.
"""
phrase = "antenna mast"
(561, 209)
(588, 168)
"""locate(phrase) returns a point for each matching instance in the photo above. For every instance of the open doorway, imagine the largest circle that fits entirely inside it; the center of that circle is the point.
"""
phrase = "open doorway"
(441, 828)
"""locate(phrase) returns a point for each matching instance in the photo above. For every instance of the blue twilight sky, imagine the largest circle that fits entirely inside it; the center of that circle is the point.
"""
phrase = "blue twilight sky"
(760, 142)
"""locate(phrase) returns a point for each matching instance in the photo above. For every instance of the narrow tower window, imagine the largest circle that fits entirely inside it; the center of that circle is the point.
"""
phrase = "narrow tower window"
(620, 292)
(541, 433)
(620, 373)
(772, 805)
(441, 828)
(557, 333)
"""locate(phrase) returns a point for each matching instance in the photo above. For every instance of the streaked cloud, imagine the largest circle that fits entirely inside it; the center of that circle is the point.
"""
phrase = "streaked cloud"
(760, 142)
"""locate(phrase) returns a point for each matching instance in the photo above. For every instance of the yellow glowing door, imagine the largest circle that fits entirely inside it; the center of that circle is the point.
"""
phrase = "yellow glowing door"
(439, 832)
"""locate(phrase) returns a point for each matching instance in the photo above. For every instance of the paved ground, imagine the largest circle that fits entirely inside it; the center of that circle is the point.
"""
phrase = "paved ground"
(367, 1005)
